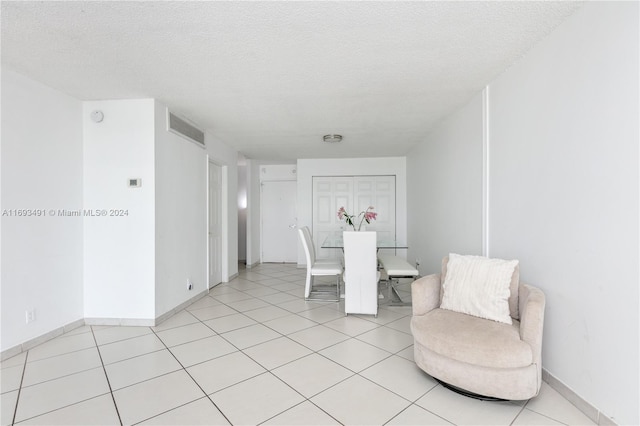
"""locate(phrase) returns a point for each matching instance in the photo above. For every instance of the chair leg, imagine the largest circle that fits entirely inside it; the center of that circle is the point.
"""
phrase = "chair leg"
(308, 285)
(314, 294)
(394, 296)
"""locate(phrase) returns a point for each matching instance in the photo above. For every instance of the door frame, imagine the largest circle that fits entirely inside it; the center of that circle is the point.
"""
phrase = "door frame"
(224, 220)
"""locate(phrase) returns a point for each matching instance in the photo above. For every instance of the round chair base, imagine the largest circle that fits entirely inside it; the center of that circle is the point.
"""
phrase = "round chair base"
(468, 393)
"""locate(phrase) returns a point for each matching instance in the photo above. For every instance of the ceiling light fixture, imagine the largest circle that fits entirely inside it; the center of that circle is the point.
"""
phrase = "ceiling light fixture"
(332, 138)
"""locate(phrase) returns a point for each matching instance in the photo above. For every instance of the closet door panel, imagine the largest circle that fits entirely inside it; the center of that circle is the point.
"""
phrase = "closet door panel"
(329, 194)
(355, 194)
(385, 206)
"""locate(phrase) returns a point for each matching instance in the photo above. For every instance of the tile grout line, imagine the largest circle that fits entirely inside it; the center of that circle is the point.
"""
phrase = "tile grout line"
(519, 412)
(378, 325)
(349, 337)
(545, 415)
(418, 406)
(104, 369)
(57, 355)
(50, 380)
(411, 403)
(354, 373)
(267, 370)
(192, 378)
(301, 402)
(24, 369)
(280, 334)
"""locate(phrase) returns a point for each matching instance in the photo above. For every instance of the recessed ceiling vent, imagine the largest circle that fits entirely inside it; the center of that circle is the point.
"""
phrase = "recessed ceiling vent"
(182, 127)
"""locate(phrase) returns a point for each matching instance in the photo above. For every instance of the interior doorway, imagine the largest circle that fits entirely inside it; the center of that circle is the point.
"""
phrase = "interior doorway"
(279, 221)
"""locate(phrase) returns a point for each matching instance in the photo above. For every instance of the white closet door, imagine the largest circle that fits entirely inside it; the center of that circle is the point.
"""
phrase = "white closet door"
(355, 194)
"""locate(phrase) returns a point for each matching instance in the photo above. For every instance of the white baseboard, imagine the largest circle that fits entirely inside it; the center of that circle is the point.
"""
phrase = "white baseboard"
(132, 322)
(136, 322)
(580, 403)
(26, 345)
(180, 307)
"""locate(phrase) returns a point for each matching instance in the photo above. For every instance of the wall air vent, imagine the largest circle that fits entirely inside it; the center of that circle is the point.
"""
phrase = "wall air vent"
(182, 127)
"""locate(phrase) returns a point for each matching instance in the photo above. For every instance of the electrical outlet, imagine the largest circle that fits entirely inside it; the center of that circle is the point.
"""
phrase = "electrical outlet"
(189, 284)
(30, 315)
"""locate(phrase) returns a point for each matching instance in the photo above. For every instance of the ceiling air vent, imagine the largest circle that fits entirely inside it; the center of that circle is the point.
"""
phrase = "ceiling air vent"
(183, 128)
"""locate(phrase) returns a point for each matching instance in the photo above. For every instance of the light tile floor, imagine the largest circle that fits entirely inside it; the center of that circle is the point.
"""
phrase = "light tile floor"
(251, 352)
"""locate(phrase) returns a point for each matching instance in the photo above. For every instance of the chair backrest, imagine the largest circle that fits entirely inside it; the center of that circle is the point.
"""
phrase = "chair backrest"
(310, 245)
(305, 244)
(360, 254)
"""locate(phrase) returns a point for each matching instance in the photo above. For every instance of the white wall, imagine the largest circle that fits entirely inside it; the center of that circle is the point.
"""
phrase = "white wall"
(41, 169)
(563, 132)
(119, 252)
(227, 157)
(180, 216)
(307, 168)
(444, 183)
(70, 267)
(277, 172)
(564, 197)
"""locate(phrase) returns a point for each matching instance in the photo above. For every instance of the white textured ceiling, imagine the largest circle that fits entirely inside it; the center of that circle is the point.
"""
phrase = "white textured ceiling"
(271, 78)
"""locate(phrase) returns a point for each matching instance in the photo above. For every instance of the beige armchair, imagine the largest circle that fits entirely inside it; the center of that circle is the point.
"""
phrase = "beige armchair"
(477, 355)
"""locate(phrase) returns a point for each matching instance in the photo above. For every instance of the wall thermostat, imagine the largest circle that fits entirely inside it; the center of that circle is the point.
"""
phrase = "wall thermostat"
(97, 116)
(135, 183)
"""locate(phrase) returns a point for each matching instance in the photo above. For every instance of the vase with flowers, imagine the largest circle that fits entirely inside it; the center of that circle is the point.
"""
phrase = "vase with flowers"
(364, 216)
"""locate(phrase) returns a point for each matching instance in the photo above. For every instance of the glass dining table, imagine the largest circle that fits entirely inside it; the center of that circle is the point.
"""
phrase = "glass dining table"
(336, 242)
(394, 298)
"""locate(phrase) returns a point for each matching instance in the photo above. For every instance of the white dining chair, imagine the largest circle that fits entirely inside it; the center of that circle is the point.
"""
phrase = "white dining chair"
(314, 269)
(312, 248)
(361, 274)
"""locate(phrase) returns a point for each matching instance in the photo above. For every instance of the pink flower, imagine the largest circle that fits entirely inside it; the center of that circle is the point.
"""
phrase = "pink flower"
(352, 220)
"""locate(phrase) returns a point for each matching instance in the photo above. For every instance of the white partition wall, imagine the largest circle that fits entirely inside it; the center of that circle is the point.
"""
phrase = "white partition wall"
(117, 149)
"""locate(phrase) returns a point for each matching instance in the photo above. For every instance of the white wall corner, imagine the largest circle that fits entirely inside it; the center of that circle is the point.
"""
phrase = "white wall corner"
(485, 171)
